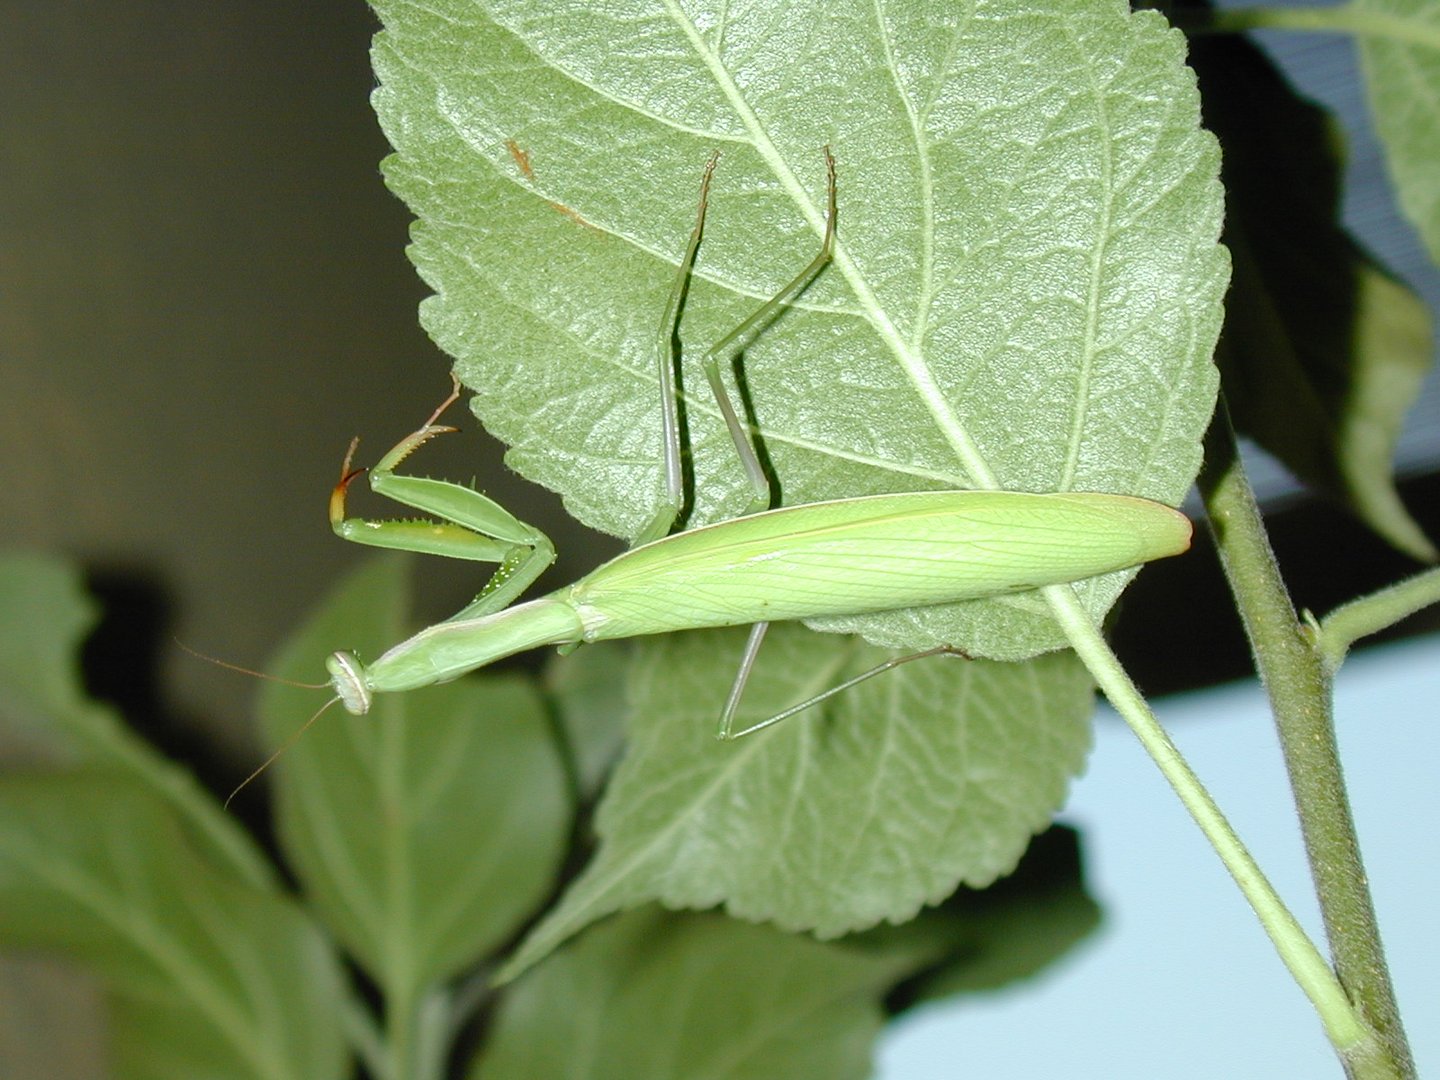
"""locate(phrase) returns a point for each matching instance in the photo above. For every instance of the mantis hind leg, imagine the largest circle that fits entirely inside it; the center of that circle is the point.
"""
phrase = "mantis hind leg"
(741, 336)
(747, 664)
(471, 526)
(674, 498)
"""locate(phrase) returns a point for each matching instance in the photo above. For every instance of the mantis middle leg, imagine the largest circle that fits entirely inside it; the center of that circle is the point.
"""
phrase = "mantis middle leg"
(724, 349)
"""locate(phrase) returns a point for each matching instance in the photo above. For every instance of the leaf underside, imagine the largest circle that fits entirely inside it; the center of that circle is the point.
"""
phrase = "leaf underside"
(1026, 295)
(1026, 292)
(863, 809)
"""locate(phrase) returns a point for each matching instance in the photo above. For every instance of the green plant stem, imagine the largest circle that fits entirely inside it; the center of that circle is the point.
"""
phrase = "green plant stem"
(1338, 19)
(1348, 623)
(1298, 685)
(402, 1030)
(363, 1035)
(434, 1032)
(1343, 1027)
(420, 1027)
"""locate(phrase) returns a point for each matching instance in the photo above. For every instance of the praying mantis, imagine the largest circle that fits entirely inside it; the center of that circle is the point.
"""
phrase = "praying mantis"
(842, 557)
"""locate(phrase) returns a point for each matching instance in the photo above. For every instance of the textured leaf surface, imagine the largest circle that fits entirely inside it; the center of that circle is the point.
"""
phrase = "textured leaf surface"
(866, 808)
(1323, 352)
(1400, 51)
(656, 995)
(209, 977)
(1015, 929)
(1026, 292)
(427, 830)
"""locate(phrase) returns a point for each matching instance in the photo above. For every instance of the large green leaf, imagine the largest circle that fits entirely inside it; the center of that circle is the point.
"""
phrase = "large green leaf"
(45, 614)
(1400, 51)
(427, 830)
(868, 807)
(587, 691)
(653, 995)
(1009, 932)
(634, 996)
(209, 976)
(1025, 294)
(45, 716)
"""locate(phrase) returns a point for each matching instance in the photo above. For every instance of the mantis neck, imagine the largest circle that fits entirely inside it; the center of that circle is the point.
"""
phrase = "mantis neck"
(448, 650)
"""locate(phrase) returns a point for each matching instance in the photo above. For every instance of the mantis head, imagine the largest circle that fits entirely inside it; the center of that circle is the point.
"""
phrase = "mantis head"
(347, 676)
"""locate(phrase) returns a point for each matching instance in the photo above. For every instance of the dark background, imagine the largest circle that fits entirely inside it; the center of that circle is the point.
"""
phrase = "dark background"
(203, 296)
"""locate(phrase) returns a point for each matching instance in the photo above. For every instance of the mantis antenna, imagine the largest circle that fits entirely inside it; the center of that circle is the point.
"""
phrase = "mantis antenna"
(286, 745)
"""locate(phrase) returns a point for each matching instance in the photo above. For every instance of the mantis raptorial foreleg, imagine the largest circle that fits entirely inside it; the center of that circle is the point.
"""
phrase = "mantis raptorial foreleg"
(472, 526)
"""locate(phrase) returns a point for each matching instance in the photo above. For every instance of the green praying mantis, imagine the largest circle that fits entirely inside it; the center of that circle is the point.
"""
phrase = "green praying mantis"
(844, 557)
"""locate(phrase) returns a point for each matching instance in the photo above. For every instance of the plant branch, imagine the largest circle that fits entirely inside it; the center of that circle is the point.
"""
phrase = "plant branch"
(1347, 1033)
(1347, 624)
(434, 1034)
(1298, 684)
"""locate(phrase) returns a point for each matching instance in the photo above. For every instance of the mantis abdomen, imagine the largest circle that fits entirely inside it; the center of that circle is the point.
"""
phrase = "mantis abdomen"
(878, 553)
